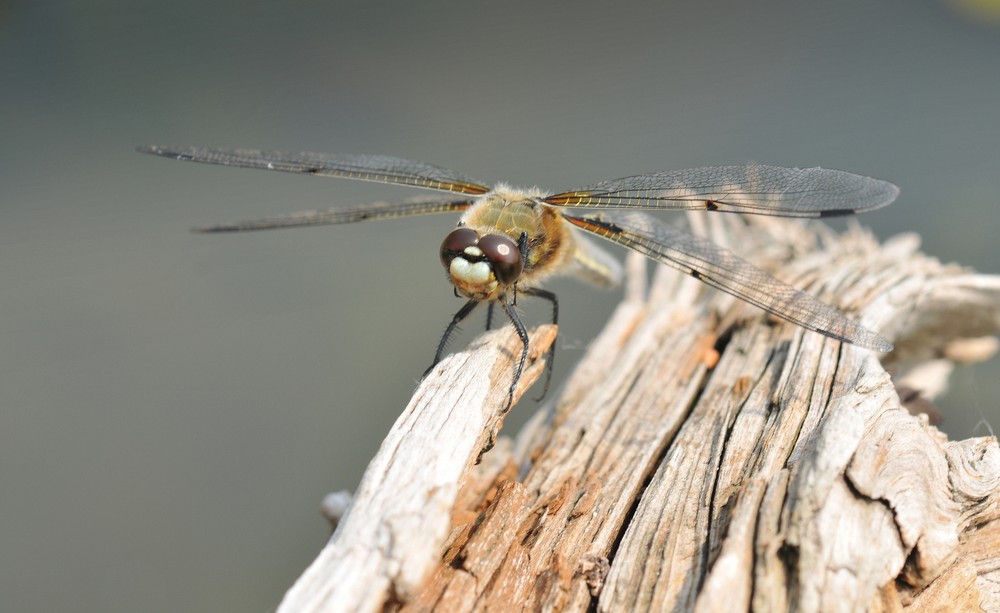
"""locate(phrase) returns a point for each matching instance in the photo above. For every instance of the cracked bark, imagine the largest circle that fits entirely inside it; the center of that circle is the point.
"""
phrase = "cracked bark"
(703, 456)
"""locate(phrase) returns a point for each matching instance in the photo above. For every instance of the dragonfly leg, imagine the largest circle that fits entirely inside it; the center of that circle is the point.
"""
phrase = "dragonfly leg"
(450, 330)
(550, 355)
(523, 334)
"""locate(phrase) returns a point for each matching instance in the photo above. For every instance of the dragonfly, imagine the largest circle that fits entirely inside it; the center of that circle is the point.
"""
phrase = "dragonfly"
(508, 241)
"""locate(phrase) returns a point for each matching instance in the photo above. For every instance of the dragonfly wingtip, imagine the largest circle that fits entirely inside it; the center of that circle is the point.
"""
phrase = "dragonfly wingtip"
(880, 344)
(893, 191)
(211, 229)
(167, 152)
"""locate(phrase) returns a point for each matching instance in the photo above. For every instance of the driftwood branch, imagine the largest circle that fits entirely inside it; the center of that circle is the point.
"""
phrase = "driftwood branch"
(703, 456)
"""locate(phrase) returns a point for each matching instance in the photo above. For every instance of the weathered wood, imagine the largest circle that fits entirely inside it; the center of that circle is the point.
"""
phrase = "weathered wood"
(401, 514)
(702, 456)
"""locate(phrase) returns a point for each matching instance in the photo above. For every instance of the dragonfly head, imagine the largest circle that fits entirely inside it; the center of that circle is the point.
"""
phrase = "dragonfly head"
(480, 266)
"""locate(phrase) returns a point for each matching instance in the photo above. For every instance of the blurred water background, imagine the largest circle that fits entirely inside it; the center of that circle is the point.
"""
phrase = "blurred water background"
(173, 407)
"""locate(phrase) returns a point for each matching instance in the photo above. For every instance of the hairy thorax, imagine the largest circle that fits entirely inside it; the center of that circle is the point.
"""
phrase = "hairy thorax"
(513, 213)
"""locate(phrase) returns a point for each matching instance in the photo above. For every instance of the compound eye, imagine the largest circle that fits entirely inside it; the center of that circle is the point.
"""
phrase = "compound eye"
(503, 255)
(457, 241)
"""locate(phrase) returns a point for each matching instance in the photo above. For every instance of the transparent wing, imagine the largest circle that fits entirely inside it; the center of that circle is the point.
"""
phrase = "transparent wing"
(364, 212)
(763, 190)
(377, 168)
(724, 270)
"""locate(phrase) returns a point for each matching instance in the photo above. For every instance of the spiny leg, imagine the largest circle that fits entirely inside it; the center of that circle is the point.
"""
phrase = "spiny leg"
(523, 334)
(550, 355)
(489, 317)
(457, 319)
(522, 246)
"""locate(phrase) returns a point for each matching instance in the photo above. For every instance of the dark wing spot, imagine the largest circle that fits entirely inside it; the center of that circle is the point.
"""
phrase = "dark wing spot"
(836, 213)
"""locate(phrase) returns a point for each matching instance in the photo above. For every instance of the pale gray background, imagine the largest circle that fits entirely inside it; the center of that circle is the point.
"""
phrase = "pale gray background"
(173, 406)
